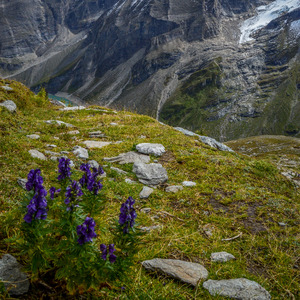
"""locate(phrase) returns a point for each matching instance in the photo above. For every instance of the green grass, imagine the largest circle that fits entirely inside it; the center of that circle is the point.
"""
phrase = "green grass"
(234, 193)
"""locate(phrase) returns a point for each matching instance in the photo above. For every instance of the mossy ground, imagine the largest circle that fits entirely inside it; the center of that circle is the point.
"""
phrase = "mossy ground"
(234, 194)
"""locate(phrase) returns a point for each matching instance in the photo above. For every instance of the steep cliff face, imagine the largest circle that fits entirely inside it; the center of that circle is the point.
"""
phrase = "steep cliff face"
(179, 61)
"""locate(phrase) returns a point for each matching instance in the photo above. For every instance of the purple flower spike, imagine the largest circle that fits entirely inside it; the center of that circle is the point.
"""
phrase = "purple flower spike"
(128, 214)
(111, 249)
(89, 179)
(53, 191)
(34, 180)
(86, 231)
(64, 169)
(103, 249)
(72, 194)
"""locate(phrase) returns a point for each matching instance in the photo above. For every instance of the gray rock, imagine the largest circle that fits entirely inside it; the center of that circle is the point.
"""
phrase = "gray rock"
(150, 228)
(81, 152)
(241, 288)
(174, 188)
(7, 88)
(146, 192)
(205, 139)
(15, 281)
(10, 105)
(189, 183)
(129, 181)
(22, 182)
(60, 123)
(150, 174)
(96, 144)
(146, 210)
(51, 146)
(221, 256)
(119, 171)
(282, 224)
(129, 157)
(113, 124)
(93, 164)
(52, 153)
(54, 158)
(64, 152)
(96, 134)
(73, 132)
(37, 154)
(149, 148)
(33, 136)
(187, 272)
(70, 108)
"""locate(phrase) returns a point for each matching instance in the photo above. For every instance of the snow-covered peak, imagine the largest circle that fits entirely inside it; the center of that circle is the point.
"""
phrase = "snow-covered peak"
(265, 14)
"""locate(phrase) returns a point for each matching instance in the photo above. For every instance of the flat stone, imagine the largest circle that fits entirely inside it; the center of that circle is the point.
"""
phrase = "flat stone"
(150, 228)
(81, 152)
(113, 124)
(149, 148)
(96, 134)
(22, 182)
(52, 153)
(240, 288)
(119, 170)
(7, 88)
(221, 256)
(187, 272)
(189, 183)
(128, 157)
(146, 210)
(33, 136)
(64, 152)
(93, 164)
(37, 154)
(51, 146)
(282, 224)
(73, 132)
(60, 123)
(70, 108)
(9, 105)
(96, 144)
(146, 192)
(174, 188)
(150, 174)
(129, 181)
(15, 281)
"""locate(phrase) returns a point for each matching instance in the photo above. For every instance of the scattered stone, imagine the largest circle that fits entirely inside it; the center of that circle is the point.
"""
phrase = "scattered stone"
(57, 102)
(96, 144)
(10, 105)
(155, 217)
(282, 224)
(129, 157)
(129, 181)
(113, 124)
(119, 171)
(155, 161)
(221, 257)
(146, 192)
(96, 134)
(15, 281)
(51, 146)
(150, 174)
(33, 136)
(174, 188)
(54, 158)
(187, 272)
(240, 288)
(208, 230)
(52, 153)
(7, 88)
(149, 148)
(56, 137)
(81, 152)
(142, 137)
(150, 228)
(146, 210)
(206, 140)
(37, 154)
(189, 183)
(22, 182)
(68, 108)
(93, 164)
(64, 152)
(73, 132)
(118, 142)
(60, 123)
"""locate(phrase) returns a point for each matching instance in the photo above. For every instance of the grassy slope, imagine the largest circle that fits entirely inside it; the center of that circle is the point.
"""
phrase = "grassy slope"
(234, 194)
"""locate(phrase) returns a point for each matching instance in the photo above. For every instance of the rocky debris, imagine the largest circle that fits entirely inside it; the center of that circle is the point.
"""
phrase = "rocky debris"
(22, 182)
(241, 288)
(93, 164)
(291, 176)
(81, 152)
(51, 146)
(64, 152)
(129, 181)
(146, 210)
(60, 123)
(33, 136)
(206, 140)
(73, 132)
(187, 272)
(150, 174)
(70, 108)
(189, 183)
(221, 256)
(174, 188)
(52, 153)
(57, 103)
(96, 144)
(119, 170)
(149, 148)
(9, 105)
(146, 192)
(7, 88)
(37, 154)
(96, 134)
(15, 281)
(150, 228)
(129, 157)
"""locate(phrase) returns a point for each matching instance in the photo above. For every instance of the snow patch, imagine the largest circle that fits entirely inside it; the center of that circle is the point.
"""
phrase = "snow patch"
(265, 14)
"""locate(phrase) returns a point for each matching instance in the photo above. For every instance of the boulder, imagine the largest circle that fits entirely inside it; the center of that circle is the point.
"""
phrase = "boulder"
(146, 192)
(149, 148)
(150, 174)
(187, 272)
(37, 154)
(128, 157)
(9, 105)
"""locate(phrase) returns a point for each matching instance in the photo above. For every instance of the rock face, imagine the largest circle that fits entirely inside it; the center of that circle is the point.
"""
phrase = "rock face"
(187, 272)
(241, 288)
(10, 105)
(14, 280)
(150, 174)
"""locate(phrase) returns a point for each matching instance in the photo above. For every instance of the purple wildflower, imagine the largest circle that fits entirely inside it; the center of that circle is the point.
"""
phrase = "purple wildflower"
(103, 249)
(111, 249)
(53, 191)
(86, 231)
(128, 215)
(34, 180)
(89, 179)
(72, 194)
(64, 169)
